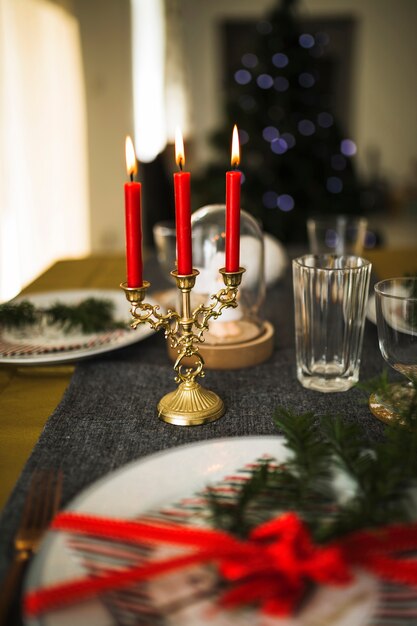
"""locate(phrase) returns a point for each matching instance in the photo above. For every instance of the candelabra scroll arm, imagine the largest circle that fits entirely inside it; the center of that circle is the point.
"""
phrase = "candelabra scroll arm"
(225, 298)
(146, 313)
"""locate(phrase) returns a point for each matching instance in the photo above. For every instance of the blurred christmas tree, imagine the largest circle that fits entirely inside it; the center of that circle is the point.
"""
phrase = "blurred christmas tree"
(295, 159)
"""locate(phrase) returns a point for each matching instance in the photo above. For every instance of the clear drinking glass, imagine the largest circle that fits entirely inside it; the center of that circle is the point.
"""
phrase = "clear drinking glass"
(337, 235)
(396, 314)
(330, 296)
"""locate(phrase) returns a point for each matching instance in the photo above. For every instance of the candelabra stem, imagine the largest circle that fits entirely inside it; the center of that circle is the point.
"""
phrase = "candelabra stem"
(186, 308)
(190, 404)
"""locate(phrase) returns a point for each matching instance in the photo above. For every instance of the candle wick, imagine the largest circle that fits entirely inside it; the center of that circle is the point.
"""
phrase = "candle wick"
(180, 164)
(131, 177)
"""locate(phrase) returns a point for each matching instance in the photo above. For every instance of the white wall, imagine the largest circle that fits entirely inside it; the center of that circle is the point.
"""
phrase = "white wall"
(385, 93)
(105, 36)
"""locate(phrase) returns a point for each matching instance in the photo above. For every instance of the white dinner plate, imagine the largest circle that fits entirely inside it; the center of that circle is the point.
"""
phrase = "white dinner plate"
(165, 478)
(371, 309)
(73, 347)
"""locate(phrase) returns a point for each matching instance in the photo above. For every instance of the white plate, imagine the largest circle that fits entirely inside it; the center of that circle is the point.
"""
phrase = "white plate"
(68, 354)
(140, 486)
(163, 479)
(371, 309)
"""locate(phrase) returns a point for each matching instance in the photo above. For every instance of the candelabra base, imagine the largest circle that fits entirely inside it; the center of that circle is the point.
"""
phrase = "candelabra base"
(190, 405)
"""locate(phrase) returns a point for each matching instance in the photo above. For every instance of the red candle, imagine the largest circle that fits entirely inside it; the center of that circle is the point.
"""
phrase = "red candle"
(233, 182)
(182, 190)
(133, 220)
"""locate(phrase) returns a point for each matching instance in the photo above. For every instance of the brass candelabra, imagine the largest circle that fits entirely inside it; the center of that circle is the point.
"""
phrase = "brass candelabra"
(190, 404)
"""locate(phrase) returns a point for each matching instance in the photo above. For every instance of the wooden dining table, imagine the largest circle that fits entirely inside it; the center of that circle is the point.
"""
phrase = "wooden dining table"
(29, 394)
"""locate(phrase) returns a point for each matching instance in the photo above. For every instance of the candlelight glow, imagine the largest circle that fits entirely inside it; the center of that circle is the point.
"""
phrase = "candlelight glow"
(179, 148)
(235, 148)
(131, 163)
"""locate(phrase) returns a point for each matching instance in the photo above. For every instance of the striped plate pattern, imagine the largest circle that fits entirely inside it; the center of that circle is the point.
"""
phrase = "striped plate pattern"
(188, 598)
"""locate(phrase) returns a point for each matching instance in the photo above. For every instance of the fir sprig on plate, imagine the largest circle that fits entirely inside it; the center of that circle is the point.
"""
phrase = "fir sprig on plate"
(91, 315)
(233, 516)
(378, 479)
(17, 315)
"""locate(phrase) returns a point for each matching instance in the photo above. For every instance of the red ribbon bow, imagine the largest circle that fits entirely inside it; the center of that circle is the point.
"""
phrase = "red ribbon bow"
(278, 562)
(272, 568)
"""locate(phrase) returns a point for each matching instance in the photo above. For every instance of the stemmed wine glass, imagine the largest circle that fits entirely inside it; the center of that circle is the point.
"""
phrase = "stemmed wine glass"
(396, 313)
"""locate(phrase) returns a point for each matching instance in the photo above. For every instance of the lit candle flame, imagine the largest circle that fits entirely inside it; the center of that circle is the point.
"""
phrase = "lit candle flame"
(131, 162)
(179, 148)
(235, 148)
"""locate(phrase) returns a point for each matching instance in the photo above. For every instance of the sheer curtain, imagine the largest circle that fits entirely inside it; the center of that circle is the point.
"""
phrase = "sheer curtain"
(43, 152)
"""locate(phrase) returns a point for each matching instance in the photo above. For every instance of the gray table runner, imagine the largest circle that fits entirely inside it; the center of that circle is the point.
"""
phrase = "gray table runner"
(107, 416)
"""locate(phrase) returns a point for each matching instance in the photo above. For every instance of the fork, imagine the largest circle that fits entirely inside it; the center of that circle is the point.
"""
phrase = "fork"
(41, 504)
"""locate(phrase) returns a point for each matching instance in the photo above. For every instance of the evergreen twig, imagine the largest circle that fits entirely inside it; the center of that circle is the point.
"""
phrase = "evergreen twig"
(378, 479)
(233, 517)
(89, 316)
(17, 315)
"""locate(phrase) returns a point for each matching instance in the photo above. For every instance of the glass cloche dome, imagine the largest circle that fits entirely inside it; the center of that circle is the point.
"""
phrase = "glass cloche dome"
(244, 323)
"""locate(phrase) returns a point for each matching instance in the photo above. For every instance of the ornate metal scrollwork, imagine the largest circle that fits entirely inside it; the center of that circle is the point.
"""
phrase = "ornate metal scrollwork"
(190, 403)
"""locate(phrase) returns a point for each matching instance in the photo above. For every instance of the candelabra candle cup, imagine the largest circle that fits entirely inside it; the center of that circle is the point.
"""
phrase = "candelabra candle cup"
(190, 404)
(330, 296)
(136, 294)
(396, 313)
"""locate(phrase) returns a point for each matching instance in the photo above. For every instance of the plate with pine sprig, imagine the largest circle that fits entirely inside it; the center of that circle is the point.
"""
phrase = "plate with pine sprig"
(65, 326)
(346, 493)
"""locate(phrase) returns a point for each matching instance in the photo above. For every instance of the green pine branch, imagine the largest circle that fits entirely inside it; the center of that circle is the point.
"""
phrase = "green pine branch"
(233, 517)
(89, 316)
(17, 315)
(379, 478)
